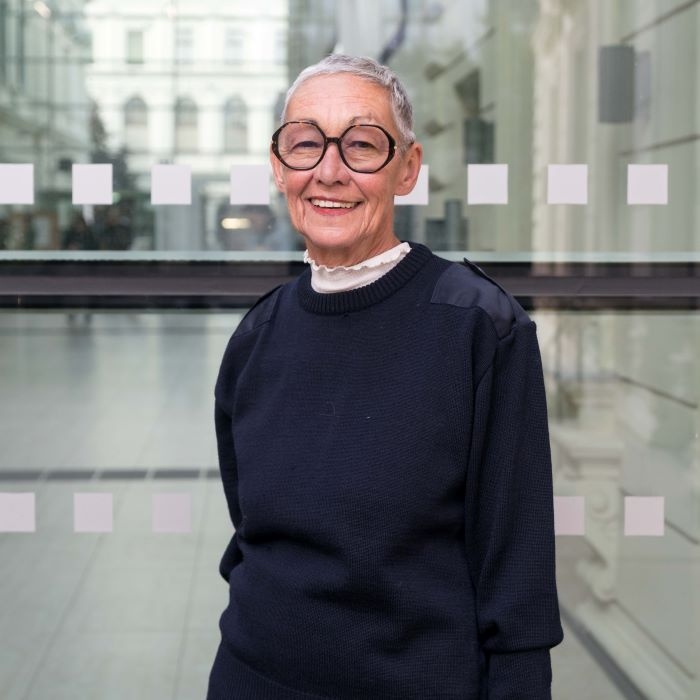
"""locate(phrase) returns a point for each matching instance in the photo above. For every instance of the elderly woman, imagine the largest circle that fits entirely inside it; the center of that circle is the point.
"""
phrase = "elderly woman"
(382, 437)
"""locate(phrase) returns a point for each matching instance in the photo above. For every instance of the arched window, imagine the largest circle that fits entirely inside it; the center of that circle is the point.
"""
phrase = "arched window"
(235, 126)
(136, 124)
(186, 137)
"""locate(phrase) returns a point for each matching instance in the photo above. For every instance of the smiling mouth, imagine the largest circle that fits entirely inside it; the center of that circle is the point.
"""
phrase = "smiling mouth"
(330, 204)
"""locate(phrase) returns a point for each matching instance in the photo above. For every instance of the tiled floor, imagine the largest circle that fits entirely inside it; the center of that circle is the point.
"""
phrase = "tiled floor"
(128, 613)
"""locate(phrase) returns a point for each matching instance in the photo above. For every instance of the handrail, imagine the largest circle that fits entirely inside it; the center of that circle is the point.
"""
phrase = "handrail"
(238, 283)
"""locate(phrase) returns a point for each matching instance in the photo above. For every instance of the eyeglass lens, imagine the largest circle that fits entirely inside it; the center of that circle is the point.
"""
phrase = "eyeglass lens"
(365, 148)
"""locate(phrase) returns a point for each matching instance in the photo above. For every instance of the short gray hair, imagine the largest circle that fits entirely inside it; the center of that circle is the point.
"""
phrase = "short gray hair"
(368, 69)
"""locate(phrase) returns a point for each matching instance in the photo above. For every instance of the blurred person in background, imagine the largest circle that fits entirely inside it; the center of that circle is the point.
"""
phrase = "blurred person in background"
(21, 232)
(4, 232)
(116, 233)
(79, 235)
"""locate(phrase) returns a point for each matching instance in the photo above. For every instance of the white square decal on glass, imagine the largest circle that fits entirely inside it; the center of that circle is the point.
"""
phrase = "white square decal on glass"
(647, 184)
(92, 183)
(644, 515)
(16, 183)
(250, 184)
(487, 184)
(567, 184)
(569, 515)
(419, 194)
(171, 184)
(17, 512)
(92, 512)
(171, 512)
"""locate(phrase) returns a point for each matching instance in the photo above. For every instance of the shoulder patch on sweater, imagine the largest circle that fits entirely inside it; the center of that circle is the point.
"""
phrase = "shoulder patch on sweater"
(467, 285)
(260, 312)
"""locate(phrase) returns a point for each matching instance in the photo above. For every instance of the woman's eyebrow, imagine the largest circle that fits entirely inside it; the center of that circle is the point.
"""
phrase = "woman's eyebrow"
(360, 118)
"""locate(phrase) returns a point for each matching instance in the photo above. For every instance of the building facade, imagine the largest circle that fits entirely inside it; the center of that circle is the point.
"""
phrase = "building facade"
(44, 109)
(188, 82)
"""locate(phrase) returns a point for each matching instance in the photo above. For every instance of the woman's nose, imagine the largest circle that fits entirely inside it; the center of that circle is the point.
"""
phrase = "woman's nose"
(331, 169)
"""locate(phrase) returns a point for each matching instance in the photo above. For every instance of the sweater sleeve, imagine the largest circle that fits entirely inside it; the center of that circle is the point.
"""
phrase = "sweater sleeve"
(510, 523)
(237, 350)
(229, 476)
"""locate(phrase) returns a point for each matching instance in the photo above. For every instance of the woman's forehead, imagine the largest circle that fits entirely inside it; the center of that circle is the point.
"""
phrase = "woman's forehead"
(340, 97)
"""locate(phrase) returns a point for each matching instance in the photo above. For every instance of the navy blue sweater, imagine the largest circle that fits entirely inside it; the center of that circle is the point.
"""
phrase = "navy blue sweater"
(385, 459)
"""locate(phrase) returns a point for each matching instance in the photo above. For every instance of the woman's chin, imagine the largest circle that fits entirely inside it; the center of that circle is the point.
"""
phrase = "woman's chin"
(330, 239)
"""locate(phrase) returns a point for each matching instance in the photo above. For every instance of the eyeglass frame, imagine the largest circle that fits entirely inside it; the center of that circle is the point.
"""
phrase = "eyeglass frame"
(393, 146)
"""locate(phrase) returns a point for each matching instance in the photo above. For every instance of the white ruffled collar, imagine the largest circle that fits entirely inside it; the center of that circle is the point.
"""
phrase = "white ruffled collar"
(340, 278)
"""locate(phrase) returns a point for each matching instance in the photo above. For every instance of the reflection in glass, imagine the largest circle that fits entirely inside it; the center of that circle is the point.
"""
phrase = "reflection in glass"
(134, 46)
(622, 391)
(623, 394)
(136, 124)
(186, 125)
(527, 84)
(236, 125)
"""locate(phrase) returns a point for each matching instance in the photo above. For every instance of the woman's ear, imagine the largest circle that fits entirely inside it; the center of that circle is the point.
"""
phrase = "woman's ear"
(410, 169)
(277, 172)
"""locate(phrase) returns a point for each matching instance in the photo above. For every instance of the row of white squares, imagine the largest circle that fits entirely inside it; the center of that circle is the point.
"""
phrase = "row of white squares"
(172, 513)
(250, 184)
(643, 515)
(94, 512)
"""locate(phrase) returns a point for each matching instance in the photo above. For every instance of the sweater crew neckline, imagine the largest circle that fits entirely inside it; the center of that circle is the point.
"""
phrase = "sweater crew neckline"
(368, 295)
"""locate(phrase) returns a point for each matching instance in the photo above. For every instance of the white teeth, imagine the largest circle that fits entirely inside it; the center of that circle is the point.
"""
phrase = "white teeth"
(332, 205)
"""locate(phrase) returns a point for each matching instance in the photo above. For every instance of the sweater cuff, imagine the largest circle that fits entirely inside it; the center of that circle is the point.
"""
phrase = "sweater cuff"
(520, 675)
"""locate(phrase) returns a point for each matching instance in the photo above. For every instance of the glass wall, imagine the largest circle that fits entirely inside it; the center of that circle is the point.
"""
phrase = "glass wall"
(555, 132)
(120, 597)
(548, 126)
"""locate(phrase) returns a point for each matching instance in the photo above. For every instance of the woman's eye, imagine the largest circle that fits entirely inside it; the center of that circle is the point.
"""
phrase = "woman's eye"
(303, 145)
(361, 145)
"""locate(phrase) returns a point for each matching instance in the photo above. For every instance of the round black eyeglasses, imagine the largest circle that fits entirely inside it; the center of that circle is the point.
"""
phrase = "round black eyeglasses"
(364, 148)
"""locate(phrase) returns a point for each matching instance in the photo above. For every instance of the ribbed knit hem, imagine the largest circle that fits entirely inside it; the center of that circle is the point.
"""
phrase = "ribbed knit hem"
(363, 297)
(520, 675)
(231, 679)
